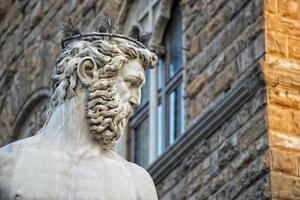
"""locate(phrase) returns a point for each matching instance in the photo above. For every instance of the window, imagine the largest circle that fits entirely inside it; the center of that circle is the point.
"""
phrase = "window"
(170, 84)
(168, 109)
(141, 141)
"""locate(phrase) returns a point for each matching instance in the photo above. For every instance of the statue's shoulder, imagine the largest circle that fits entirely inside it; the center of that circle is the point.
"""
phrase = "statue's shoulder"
(6, 167)
(6, 161)
(134, 168)
(139, 172)
(144, 180)
(8, 151)
(141, 177)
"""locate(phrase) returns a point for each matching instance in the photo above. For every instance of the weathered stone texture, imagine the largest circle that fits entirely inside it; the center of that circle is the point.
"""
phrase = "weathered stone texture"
(225, 44)
(228, 164)
(282, 74)
(233, 42)
(29, 45)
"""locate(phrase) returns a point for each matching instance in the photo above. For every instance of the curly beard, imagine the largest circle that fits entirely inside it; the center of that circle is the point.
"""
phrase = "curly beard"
(107, 117)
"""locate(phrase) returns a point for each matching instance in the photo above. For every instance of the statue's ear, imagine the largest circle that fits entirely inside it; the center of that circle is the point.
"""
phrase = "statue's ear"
(87, 70)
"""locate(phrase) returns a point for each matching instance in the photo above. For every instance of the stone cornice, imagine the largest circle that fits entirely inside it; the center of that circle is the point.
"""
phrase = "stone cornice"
(206, 124)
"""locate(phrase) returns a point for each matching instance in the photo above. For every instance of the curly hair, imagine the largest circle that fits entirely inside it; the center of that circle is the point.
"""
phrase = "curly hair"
(105, 115)
(110, 56)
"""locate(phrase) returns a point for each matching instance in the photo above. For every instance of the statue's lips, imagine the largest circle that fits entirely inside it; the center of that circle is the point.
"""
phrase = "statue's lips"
(129, 112)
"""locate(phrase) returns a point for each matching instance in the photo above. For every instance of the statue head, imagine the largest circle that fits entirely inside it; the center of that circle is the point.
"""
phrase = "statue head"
(110, 67)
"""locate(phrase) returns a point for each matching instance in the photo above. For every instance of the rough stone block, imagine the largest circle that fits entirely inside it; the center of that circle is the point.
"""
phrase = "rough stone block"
(260, 190)
(276, 44)
(271, 6)
(224, 80)
(279, 119)
(239, 30)
(262, 144)
(36, 14)
(252, 130)
(4, 8)
(285, 141)
(217, 86)
(244, 179)
(289, 8)
(294, 47)
(279, 24)
(284, 186)
(285, 120)
(221, 19)
(196, 85)
(284, 161)
(227, 152)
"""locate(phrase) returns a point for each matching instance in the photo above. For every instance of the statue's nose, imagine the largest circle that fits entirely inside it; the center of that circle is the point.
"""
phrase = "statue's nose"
(134, 101)
(135, 97)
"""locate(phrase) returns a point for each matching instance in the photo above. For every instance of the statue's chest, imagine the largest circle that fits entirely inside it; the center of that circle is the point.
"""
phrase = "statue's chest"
(65, 180)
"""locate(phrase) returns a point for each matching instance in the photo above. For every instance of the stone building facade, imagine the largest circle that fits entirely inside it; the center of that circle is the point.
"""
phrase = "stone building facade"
(240, 74)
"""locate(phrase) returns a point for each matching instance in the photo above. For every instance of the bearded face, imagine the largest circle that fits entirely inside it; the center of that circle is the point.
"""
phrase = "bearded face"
(107, 115)
(111, 101)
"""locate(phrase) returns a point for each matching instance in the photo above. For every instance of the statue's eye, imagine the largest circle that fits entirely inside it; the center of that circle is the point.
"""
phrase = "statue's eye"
(131, 82)
(134, 81)
(128, 83)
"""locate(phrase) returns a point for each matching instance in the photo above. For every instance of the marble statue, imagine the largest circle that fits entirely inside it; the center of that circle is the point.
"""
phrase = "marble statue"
(97, 81)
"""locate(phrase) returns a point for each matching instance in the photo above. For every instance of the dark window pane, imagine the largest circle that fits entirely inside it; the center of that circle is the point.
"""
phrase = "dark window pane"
(160, 74)
(172, 116)
(142, 143)
(176, 119)
(175, 42)
(181, 119)
(160, 130)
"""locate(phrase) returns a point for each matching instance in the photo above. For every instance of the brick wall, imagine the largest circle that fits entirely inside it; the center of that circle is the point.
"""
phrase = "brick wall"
(225, 44)
(282, 74)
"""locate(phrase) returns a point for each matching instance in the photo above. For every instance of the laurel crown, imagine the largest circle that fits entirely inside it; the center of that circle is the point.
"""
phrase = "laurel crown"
(107, 29)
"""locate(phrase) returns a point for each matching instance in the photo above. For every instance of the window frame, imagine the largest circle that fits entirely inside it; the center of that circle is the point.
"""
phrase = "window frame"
(168, 86)
(163, 95)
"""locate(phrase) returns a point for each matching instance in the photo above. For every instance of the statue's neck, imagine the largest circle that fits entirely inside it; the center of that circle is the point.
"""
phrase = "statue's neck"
(67, 128)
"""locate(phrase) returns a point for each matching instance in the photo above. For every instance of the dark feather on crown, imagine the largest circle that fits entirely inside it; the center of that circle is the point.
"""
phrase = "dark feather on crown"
(70, 28)
(138, 35)
(108, 27)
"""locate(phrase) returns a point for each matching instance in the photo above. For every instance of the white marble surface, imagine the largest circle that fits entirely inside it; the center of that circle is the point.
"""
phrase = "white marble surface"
(64, 162)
